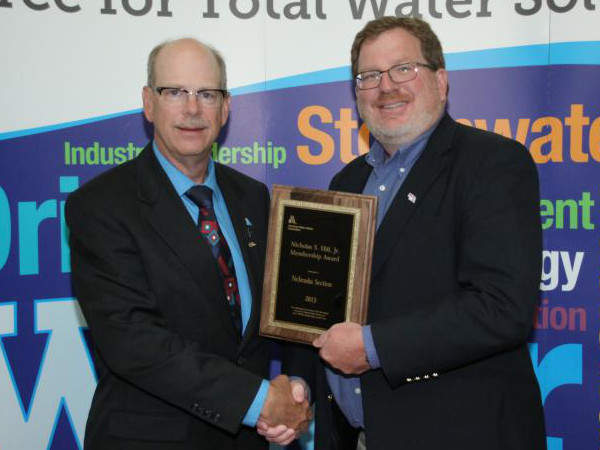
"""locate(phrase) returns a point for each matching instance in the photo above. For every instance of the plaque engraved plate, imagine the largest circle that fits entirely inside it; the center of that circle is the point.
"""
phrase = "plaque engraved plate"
(318, 263)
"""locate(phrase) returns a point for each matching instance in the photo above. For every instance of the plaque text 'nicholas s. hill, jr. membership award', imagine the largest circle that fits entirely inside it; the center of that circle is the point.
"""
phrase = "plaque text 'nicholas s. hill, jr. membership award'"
(318, 263)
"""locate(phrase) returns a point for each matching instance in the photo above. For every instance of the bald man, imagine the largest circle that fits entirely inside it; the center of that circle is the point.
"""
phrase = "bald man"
(167, 255)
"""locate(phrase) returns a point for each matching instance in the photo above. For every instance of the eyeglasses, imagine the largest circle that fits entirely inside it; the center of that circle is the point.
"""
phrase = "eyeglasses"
(210, 98)
(398, 74)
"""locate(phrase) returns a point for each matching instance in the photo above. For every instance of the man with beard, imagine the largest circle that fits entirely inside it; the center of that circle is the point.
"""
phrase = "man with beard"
(167, 256)
(442, 362)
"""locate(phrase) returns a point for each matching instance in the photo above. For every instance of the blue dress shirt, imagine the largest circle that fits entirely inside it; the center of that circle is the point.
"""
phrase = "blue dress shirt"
(384, 182)
(182, 183)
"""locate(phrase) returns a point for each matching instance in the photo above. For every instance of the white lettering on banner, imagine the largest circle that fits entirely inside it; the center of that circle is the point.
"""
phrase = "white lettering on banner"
(552, 261)
(66, 377)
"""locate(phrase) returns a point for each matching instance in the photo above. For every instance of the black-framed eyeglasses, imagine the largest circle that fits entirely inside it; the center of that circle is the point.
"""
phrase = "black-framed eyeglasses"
(210, 98)
(400, 73)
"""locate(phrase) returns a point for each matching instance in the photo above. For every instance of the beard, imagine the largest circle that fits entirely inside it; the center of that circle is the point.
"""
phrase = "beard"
(394, 134)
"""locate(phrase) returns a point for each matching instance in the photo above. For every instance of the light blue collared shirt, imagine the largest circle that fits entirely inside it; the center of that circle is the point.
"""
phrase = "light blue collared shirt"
(182, 184)
(387, 176)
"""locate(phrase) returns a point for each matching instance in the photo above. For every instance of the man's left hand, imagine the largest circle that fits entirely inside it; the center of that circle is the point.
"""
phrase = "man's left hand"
(343, 348)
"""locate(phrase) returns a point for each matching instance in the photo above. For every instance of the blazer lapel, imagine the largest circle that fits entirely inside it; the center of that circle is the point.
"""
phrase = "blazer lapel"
(356, 180)
(171, 221)
(430, 164)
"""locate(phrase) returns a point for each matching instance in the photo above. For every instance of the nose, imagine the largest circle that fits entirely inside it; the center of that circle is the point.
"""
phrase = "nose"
(192, 105)
(386, 84)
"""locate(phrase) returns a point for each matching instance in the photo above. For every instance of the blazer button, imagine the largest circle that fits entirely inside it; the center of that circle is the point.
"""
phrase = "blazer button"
(241, 361)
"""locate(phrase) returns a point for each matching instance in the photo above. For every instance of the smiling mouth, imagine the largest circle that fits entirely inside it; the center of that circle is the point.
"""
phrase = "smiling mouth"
(391, 106)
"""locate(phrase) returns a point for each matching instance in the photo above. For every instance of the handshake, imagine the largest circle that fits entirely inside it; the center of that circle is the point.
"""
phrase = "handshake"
(286, 412)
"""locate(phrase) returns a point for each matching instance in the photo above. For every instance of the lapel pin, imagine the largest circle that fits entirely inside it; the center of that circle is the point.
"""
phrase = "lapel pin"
(411, 197)
(248, 228)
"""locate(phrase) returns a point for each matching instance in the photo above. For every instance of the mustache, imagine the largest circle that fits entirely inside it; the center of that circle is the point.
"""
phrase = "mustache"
(393, 96)
(195, 123)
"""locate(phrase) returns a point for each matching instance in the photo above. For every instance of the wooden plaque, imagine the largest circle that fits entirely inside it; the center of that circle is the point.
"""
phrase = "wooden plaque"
(318, 265)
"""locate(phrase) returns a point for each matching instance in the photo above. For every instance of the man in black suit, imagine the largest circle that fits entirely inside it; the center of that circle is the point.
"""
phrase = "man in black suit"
(443, 362)
(167, 257)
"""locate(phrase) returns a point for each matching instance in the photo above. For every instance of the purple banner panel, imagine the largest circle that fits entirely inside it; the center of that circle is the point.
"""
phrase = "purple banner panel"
(302, 136)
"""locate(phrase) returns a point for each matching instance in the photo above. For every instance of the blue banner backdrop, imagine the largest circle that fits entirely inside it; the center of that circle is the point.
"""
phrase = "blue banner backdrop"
(300, 135)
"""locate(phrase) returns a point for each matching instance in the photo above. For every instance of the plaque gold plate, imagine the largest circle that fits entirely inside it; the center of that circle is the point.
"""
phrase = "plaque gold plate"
(318, 265)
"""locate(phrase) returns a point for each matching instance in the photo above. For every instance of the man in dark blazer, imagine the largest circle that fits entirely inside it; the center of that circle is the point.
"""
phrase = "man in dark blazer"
(443, 362)
(174, 324)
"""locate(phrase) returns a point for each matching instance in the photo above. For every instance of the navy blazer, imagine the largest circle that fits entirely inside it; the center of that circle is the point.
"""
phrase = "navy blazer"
(454, 286)
(173, 373)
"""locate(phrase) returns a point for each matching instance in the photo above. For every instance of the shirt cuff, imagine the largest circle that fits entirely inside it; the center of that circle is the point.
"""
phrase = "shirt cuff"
(372, 357)
(256, 407)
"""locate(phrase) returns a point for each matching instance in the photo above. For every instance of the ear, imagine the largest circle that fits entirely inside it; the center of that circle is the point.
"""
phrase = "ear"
(441, 78)
(147, 97)
(358, 103)
(225, 110)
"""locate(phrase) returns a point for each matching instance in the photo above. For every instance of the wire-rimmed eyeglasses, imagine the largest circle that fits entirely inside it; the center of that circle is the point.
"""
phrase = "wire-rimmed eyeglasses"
(399, 73)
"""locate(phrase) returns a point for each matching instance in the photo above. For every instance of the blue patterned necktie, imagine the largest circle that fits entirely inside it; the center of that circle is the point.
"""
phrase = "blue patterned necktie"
(211, 232)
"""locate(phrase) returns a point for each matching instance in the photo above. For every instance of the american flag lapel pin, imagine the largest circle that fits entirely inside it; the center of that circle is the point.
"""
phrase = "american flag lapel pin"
(411, 197)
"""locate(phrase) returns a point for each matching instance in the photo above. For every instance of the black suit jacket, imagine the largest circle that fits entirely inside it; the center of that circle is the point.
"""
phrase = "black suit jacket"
(455, 279)
(173, 373)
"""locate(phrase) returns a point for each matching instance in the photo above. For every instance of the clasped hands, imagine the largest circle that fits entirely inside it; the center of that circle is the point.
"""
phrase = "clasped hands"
(286, 413)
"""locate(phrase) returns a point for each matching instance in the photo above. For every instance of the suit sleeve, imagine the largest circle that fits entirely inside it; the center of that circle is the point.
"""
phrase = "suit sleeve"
(132, 336)
(497, 264)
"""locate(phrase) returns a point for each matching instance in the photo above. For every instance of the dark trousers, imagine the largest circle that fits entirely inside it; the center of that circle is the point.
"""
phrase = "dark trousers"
(344, 436)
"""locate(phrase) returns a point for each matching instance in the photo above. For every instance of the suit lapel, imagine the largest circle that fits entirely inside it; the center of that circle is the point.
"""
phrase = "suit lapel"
(411, 195)
(356, 180)
(171, 221)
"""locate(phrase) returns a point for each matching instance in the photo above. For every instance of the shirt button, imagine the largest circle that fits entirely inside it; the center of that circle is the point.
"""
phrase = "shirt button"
(382, 187)
(357, 391)
(402, 170)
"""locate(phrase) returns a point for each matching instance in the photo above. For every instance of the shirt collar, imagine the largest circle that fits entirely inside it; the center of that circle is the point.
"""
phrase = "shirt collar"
(377, 156)
(180, 181)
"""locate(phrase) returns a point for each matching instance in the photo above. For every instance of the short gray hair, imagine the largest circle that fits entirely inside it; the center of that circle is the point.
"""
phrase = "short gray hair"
(156, 50)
